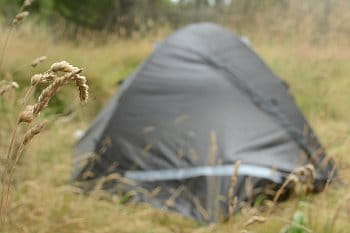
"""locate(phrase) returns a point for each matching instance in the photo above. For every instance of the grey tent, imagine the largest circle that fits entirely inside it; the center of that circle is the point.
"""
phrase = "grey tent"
(173, 132)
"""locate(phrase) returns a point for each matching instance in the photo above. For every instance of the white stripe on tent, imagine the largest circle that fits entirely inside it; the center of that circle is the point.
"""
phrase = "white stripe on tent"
(222, 170)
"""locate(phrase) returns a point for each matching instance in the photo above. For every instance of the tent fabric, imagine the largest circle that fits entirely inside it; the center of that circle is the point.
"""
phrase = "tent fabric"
(201, 101)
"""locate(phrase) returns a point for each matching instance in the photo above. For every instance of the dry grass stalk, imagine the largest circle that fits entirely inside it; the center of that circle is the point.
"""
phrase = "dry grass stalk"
(30, 112)
(213, 148)
(254, 220)
(337, 212)
(28, 136)
(249, 189)
(201, 209)
(155, 192)
(213, 161)
(233, 200)
(312, 173)
(291, 179)
(301, 176)
(19, 17)
(171, 200)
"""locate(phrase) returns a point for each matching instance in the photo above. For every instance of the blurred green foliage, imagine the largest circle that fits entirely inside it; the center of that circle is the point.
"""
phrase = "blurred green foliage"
(298, 224)
(116, 15)
(126, 16)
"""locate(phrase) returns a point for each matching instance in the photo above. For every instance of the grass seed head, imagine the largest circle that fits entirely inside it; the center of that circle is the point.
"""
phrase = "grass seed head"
(14, 85)
(83, 88)
(26, 115)
(35, 130)
(7, 86)
(36, 79)
(301, 171)
(38, 60)
(42, 78)
(62, 66)
(311, 170)
(52, 89)
(311, 176)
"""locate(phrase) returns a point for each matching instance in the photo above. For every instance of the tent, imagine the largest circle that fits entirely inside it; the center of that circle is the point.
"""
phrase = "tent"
(173, 132)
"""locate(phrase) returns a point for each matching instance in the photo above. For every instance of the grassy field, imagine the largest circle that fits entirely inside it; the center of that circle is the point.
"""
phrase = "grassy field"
(43, 201)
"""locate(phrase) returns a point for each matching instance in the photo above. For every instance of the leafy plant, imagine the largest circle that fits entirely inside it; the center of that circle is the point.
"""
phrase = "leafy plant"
(298, 224)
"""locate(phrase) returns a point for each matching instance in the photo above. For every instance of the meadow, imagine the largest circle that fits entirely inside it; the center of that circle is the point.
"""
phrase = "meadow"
(43, 200)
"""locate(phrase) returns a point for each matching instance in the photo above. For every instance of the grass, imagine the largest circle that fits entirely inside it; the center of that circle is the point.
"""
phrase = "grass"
(44, 201)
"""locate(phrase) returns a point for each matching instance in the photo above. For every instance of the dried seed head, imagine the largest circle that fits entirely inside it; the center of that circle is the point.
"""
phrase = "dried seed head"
(62, 66)
(38, 60)
(7, 86)
(301, 171)
(20, 17)
(255, 219)
(83, 88)
(311, 169)
(311, 176)
(14, 85)
(42, 78)
(52, 89)
(4, 90)
(26, 115)
(71, 76)
(28, 136)
(36, 79)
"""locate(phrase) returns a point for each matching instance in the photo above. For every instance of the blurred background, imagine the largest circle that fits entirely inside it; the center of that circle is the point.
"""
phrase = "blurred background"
(305, 42)
(127, 30)
(317, 20)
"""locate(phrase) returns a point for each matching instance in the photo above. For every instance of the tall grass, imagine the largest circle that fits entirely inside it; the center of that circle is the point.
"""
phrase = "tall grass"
(59, 75)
